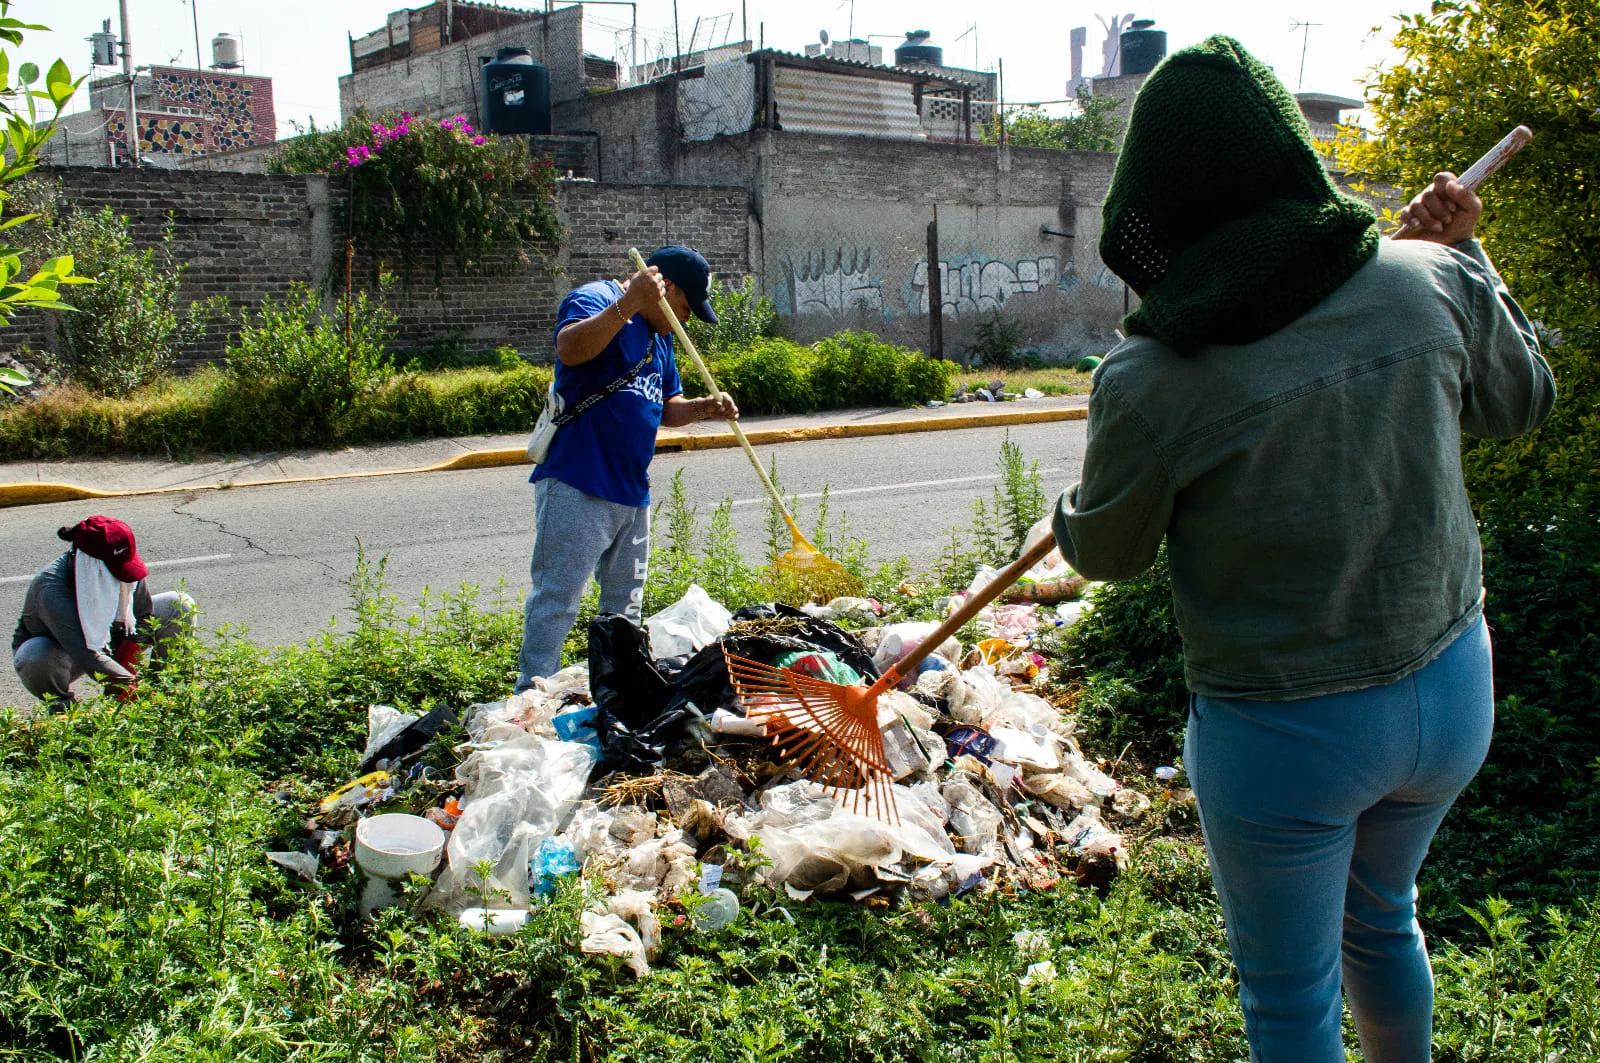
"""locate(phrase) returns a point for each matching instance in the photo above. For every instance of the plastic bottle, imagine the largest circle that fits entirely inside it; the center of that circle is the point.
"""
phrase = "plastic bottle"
(720, 908)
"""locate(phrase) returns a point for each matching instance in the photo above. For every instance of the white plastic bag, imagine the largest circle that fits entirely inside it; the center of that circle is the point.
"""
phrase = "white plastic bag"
(605, 934)
(384, 722)
(688, 624)
(517, 794)
(897, 640)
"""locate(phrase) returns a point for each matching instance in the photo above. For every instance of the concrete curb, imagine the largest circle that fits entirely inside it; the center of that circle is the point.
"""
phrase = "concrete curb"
(668, 440)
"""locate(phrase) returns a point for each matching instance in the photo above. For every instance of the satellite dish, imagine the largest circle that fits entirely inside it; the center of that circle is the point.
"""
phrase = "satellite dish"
(824, 36)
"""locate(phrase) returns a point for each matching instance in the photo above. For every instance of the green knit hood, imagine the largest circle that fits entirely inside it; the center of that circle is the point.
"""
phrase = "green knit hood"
(1220, 215)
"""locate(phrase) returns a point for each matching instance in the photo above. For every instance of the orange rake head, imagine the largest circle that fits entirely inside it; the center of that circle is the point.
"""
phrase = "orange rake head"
(828, 731)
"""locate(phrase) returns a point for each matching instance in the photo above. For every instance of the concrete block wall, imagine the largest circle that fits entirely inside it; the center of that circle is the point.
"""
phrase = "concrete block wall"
(448, 81)
(842, 237)
(248, 237)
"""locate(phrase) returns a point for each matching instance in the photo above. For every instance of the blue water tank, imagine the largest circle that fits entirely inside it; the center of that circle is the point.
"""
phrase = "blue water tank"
(919, 49)
(1142, 47)
(516, 93)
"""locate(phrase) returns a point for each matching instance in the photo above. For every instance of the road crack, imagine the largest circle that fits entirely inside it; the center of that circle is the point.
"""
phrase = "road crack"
(250, 543)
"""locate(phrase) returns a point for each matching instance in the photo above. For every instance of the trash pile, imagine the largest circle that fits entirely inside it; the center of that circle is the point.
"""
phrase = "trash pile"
(638, 769)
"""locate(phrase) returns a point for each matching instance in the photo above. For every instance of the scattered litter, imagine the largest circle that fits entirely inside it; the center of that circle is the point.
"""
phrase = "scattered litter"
(495, 922)
(1039, 973)
(638, 771)
(1032, 393)
(689, 624)
(302, 865)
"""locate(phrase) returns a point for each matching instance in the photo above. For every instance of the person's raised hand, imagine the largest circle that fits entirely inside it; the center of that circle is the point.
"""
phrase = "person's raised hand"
(643, 291)
(1446, 212)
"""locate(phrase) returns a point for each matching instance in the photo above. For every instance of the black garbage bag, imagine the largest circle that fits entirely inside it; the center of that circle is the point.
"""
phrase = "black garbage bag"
(630, 697)
(704, 679)
(643, 708)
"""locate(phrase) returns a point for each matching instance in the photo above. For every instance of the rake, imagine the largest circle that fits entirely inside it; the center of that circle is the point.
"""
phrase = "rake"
(830, 731)
(811, 572)
(1486, 165)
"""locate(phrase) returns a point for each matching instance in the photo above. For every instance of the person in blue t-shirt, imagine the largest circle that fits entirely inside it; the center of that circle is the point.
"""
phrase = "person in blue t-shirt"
(591, 509)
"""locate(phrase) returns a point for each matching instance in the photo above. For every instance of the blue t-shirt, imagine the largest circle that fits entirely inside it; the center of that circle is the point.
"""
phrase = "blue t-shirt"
(606, 450)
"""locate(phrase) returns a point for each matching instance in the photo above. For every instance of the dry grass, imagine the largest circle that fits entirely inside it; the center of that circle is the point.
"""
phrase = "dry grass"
(1054, 381)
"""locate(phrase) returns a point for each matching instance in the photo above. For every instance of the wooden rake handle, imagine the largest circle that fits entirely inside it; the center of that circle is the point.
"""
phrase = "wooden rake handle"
(958, 620)
(1485, 167)
(711, 385)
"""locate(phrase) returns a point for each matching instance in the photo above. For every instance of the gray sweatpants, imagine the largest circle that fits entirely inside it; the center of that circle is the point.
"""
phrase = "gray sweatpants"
(576, 535)
(47, 669)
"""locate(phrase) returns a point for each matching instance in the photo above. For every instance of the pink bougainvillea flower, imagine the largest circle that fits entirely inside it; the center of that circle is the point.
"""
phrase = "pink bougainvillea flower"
(480, 140)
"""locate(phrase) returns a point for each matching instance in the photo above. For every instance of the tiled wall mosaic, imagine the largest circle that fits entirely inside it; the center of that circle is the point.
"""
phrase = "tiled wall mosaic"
(195, 112)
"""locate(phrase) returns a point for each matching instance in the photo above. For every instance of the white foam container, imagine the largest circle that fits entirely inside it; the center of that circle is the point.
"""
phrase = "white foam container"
(395, 845)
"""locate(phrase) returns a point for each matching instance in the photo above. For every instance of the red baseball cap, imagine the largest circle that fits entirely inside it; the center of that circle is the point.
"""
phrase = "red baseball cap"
(108, 539)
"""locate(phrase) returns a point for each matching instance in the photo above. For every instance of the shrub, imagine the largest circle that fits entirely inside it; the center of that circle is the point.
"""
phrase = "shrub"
(745, 317)
(857, 368)
(301, 356)
(128, 327)
(998, 341)
(772, 377)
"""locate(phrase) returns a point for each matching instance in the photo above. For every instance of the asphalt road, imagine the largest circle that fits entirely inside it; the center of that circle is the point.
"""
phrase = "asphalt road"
(277, 560)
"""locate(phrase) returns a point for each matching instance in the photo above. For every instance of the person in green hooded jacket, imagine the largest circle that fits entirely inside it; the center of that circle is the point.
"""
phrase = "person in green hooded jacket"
(1287, 414)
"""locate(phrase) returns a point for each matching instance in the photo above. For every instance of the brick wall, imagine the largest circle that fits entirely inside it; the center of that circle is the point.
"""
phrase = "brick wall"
(247, 237)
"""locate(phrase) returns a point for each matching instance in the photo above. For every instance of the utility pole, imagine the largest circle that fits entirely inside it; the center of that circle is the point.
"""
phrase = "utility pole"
(127, 72)
(194, 10)
(677, 47)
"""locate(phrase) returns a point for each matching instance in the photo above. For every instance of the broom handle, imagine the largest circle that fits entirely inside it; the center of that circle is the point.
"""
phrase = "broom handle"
(1485, 167)
(711, 385)
(958, 620)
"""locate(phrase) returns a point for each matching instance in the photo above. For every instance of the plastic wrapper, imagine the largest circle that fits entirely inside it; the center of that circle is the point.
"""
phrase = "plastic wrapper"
(688, 624)
(517, 794)
(897, 640)
(635, 906)
(605, 934)
(826, 855)
(974, 693)
(974, 821)
(1058, 791)
(1026, 749)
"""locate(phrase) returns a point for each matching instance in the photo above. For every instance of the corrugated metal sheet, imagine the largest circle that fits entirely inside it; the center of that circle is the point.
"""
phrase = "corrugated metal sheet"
(810, 101)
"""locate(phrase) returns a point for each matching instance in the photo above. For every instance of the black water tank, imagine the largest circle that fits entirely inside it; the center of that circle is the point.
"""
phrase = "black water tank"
(919, 48)
(1142, 47)
(516, 93)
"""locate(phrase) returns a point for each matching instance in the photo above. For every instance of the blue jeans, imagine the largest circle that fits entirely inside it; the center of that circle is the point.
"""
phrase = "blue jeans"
(1317, 815)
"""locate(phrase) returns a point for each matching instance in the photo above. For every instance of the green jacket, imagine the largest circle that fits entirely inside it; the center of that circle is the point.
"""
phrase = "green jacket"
(1309, 483)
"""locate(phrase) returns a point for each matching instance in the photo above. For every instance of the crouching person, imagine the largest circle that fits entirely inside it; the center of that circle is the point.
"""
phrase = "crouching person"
(89, 612)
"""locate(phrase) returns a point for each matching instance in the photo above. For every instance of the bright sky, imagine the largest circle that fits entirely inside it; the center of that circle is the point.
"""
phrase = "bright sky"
(301, 44)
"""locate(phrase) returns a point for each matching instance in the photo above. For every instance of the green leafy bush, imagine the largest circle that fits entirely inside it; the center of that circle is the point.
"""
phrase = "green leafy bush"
(305, 359)
(745, 317)
(1091, 128)
(127, 328)
(999, 341)
(427, 189)
(843, 371)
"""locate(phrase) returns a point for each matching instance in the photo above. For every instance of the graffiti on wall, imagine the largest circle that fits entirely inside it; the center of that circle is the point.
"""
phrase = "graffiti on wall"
(977, 285)
(831, 283)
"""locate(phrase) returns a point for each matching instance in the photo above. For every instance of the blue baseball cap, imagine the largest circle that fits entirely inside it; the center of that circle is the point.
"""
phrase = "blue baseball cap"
(688, 269)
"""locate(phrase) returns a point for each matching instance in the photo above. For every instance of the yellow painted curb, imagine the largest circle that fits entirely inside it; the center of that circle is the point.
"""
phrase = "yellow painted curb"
(667, 440)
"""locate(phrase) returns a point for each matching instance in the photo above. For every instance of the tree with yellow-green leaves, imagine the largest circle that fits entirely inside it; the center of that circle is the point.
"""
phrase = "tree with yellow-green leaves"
(22, 134)
(1469, 72)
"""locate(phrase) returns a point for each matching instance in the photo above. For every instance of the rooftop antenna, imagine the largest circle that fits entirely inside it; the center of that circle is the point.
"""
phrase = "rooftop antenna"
(1296, 24)
(972, 28)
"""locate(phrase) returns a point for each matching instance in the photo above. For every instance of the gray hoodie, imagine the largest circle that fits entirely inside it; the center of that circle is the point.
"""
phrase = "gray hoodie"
(51, 608)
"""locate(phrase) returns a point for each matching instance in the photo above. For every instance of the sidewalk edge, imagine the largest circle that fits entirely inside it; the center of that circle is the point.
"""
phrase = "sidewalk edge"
(667, 441)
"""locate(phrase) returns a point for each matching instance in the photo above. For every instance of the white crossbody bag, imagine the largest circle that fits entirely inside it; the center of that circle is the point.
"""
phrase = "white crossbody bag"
(555, 415)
